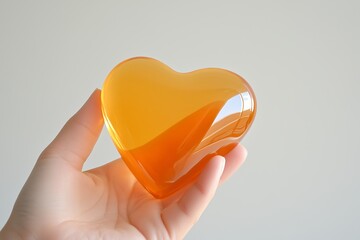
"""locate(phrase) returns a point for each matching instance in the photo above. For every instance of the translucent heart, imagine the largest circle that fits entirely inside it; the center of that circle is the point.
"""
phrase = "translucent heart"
(166, 125)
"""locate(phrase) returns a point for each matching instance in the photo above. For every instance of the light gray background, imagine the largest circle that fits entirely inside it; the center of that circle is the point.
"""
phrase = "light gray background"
(301, 179)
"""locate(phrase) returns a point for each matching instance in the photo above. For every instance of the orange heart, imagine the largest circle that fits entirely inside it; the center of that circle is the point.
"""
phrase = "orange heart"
(167, 125)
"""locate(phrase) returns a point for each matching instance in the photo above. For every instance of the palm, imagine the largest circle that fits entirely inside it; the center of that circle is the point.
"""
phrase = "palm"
(109, 202)
(106, 202)
(102, 203)
(117, 206)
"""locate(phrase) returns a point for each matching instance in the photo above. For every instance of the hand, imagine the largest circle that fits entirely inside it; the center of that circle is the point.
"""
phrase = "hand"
(60, 201)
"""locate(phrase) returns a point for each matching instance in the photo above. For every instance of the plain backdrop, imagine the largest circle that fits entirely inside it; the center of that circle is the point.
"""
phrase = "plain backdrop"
(302, 58)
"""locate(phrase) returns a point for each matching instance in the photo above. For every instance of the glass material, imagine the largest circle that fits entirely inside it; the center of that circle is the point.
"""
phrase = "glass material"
(166, 125)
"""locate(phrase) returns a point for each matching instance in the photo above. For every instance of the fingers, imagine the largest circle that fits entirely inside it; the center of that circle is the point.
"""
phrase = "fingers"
(180, 216)
(76, 140)
(234, 159)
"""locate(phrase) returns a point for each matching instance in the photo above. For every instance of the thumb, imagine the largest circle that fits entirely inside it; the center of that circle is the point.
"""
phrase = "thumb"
(77, 138)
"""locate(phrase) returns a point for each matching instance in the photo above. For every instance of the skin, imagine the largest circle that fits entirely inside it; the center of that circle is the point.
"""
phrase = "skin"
(60, 201)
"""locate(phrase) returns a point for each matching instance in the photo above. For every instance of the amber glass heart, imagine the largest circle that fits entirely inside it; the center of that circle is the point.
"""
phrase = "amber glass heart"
(167, 125)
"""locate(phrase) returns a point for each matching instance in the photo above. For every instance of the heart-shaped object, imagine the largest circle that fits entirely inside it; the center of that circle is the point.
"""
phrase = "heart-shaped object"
(167, 125)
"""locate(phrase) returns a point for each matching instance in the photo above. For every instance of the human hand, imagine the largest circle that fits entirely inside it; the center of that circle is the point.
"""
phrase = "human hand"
(60, 201)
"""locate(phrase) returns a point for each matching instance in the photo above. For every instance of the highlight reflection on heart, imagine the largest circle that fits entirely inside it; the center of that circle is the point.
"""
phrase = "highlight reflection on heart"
(166, 125)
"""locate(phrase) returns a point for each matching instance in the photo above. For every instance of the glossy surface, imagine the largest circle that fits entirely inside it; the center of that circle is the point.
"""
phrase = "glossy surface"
(166, 124)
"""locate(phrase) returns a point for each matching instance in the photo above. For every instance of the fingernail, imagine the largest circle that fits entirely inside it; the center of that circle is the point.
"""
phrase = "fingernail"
(222, 166)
